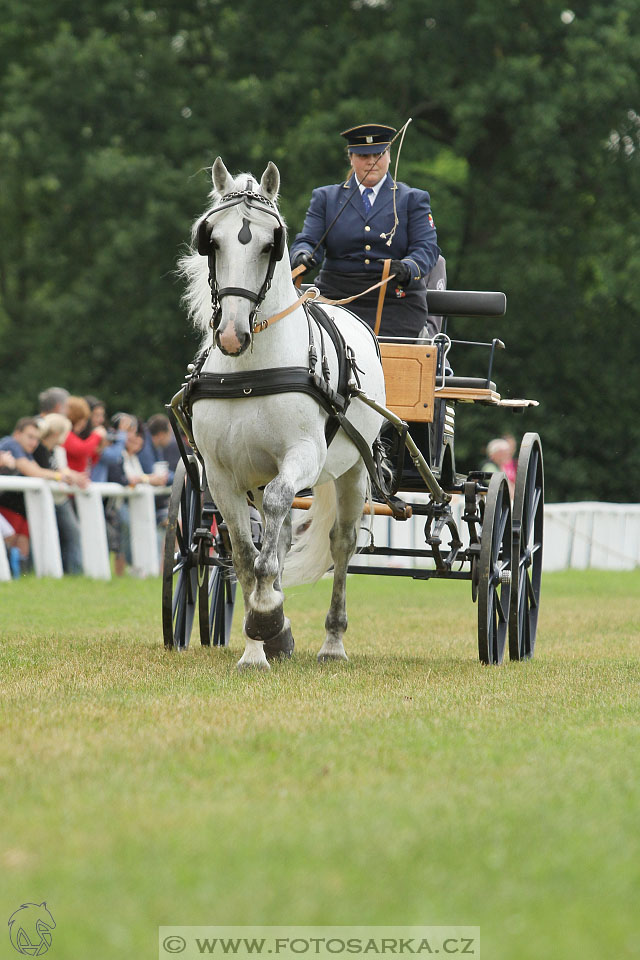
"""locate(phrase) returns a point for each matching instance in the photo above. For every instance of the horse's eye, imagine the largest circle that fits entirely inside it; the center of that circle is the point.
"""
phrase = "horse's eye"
(267, 248)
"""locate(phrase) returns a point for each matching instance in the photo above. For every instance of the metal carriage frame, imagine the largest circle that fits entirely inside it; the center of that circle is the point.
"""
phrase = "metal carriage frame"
(502, 558)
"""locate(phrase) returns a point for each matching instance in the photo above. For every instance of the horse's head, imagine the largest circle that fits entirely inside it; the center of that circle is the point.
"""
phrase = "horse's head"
(243, 236)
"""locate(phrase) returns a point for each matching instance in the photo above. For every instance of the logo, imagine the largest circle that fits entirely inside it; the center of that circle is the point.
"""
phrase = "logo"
(30, 929)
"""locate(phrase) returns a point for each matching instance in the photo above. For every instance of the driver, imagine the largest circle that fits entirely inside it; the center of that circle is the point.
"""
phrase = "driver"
(352, 227)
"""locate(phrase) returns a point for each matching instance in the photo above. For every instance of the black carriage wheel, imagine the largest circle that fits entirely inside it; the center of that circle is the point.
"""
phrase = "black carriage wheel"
(494, 572)
(526, 561)
(180, 571)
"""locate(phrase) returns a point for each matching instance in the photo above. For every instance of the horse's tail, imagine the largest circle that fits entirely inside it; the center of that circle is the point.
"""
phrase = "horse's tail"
(310, 555)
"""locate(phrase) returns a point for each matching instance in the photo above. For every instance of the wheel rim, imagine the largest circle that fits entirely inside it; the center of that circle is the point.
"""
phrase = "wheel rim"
(528, 530)
(180, 573)
(494, 572)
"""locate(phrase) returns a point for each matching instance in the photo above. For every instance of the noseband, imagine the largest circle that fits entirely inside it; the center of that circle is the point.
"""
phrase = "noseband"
(206, 249)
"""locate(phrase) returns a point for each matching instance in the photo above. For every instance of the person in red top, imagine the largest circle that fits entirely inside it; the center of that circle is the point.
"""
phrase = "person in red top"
(82, 452)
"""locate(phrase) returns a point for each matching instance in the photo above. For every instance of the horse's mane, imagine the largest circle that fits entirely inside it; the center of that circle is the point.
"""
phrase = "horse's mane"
(195, 268)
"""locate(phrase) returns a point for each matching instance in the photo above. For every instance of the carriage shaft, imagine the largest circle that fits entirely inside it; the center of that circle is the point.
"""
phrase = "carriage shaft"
(421, 464)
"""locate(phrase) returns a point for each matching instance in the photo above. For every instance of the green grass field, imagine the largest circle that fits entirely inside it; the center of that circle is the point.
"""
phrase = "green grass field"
(411, 786)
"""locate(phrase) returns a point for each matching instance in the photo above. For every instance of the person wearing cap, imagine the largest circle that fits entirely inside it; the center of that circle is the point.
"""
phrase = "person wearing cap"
(351, 228)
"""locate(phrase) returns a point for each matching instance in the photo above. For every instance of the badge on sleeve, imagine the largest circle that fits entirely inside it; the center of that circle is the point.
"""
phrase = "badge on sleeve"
(431, 223)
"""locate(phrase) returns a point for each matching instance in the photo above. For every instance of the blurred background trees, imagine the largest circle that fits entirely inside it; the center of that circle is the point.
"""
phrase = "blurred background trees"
(526, 132)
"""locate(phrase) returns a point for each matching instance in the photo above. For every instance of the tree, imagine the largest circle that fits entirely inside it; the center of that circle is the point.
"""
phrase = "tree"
(525, 130)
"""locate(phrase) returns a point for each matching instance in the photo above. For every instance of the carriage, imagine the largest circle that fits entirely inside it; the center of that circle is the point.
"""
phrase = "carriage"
(472, 529)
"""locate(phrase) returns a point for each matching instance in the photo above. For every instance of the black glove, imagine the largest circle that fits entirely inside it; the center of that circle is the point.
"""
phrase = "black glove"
(402, 271)
(303, 259)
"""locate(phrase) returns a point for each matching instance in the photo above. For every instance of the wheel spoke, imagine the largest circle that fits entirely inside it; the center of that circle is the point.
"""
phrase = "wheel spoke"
(535, 548)
(532, 512)
(531, 594)
(498, 604)
(501, 526)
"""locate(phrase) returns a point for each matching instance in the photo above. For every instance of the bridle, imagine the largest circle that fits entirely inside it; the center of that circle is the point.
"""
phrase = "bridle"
(207, 249)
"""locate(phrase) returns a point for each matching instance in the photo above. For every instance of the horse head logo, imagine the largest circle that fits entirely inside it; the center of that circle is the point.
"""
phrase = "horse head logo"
(30, 929)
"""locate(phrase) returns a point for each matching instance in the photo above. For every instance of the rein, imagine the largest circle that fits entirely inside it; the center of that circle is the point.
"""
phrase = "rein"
(206, 249)
(314, 295)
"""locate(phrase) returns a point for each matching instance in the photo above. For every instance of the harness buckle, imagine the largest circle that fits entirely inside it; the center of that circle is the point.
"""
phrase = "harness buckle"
(313, 290)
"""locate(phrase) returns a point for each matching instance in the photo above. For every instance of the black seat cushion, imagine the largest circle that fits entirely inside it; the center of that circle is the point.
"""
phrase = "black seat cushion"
(478, 383)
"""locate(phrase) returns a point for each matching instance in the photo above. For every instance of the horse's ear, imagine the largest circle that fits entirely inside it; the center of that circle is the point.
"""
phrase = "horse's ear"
(270, 183)
(222, 179)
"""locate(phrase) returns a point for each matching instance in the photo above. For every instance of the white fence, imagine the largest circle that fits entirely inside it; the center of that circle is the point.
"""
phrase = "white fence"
(43, 529)
(578, 535)
(601, 535)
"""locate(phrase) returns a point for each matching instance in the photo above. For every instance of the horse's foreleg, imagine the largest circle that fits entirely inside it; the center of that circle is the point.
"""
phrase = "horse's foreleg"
(266, 620)
(351, 493)
(235, 511)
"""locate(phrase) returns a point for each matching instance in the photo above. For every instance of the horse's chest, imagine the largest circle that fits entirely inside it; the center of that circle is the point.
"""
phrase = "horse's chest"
(250, 439)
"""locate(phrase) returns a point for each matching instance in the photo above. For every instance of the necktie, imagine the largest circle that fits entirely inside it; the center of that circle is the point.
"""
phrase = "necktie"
(366, 193)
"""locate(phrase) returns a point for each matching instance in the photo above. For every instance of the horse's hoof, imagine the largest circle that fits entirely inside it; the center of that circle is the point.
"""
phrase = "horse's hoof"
(281, 645)
(326, 655)
(243, 665)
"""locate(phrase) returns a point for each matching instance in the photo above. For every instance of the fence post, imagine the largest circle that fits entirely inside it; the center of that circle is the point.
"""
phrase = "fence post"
(5, 571)
(43, 530)
(144, 537)
(93, 533)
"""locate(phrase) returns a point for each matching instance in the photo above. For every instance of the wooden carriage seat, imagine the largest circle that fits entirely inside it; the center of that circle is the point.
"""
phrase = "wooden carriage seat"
(410, 380)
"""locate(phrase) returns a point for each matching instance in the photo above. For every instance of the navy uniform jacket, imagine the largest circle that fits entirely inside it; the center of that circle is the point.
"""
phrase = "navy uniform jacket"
(354, 244)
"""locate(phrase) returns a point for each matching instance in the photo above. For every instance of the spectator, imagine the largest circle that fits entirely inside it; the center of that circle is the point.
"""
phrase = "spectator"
(511, 465)
(128, 471)
(54, 429)
(21, 444)
(160, 445)
(499, 455)
(53, 400)
(98, 412)
(97, 416)
(160, 449)
(112, 453)
(7, 462)
(8, 467)
(81, 452)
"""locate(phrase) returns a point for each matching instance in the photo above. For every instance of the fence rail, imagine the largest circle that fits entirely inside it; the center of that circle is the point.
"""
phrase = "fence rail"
(577, 535)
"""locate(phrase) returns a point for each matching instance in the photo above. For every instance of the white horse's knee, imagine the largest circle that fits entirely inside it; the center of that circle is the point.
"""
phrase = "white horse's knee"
(266, 566)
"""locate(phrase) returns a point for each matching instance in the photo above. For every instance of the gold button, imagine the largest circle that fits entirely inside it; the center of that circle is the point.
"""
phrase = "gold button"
(367, 229)
(367, 261)
(368, 246)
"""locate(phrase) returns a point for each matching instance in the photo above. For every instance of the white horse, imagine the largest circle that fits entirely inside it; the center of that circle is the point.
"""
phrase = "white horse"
(271, 447)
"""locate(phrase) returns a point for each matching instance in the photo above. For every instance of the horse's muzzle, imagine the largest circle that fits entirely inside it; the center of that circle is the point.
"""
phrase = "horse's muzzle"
(231, 343)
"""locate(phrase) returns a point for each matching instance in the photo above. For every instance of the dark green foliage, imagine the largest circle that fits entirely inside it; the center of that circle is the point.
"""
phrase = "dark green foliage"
(525, 130)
